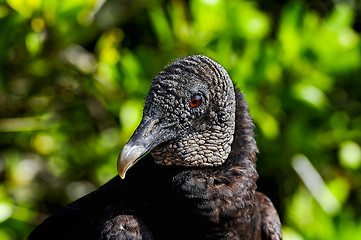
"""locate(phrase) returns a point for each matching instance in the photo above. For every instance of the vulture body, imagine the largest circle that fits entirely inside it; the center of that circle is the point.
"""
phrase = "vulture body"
(199, 182)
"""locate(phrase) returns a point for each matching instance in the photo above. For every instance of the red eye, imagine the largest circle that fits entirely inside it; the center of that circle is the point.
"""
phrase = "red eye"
(196, 101)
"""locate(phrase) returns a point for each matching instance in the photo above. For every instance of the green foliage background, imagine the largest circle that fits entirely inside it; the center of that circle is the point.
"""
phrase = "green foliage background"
(74, 74)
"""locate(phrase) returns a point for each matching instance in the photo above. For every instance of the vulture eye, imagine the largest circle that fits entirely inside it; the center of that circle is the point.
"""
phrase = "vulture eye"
(196, 101)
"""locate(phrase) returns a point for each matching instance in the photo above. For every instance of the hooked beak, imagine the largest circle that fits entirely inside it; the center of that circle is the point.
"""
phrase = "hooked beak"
(128, 157)
(147, 136)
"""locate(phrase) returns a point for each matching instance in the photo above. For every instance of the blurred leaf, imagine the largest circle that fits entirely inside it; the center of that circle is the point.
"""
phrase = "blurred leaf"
(350, 155)
(310, 94)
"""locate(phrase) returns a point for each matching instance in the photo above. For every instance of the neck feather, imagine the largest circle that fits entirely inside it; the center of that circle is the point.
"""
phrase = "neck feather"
(242, 159)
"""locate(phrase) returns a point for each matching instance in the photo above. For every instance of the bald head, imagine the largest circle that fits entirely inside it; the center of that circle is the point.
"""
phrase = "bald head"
(189, 115)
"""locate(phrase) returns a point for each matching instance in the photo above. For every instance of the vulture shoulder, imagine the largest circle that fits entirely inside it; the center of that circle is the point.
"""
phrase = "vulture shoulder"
(115, 211)
(270, 222)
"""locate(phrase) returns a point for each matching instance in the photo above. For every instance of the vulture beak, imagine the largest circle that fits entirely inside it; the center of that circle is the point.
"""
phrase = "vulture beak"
(147, 136)
(128, 157)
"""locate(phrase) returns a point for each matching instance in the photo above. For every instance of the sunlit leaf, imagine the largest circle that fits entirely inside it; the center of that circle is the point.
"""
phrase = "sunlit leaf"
(25, 7)
(33, 43)
(310, 94)
(350, 154)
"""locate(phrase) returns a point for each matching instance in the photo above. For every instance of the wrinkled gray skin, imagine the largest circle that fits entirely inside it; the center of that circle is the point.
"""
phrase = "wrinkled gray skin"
(177, 133)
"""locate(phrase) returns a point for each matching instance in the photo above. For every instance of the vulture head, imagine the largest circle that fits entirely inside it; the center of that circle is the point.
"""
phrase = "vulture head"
(188, 118)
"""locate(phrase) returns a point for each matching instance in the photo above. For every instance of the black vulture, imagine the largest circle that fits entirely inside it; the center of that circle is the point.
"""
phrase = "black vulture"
(199, 180)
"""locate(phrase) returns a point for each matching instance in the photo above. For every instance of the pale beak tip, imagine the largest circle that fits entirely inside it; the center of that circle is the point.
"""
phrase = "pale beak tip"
(122, 170)
(122, 175)
(128, 157)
